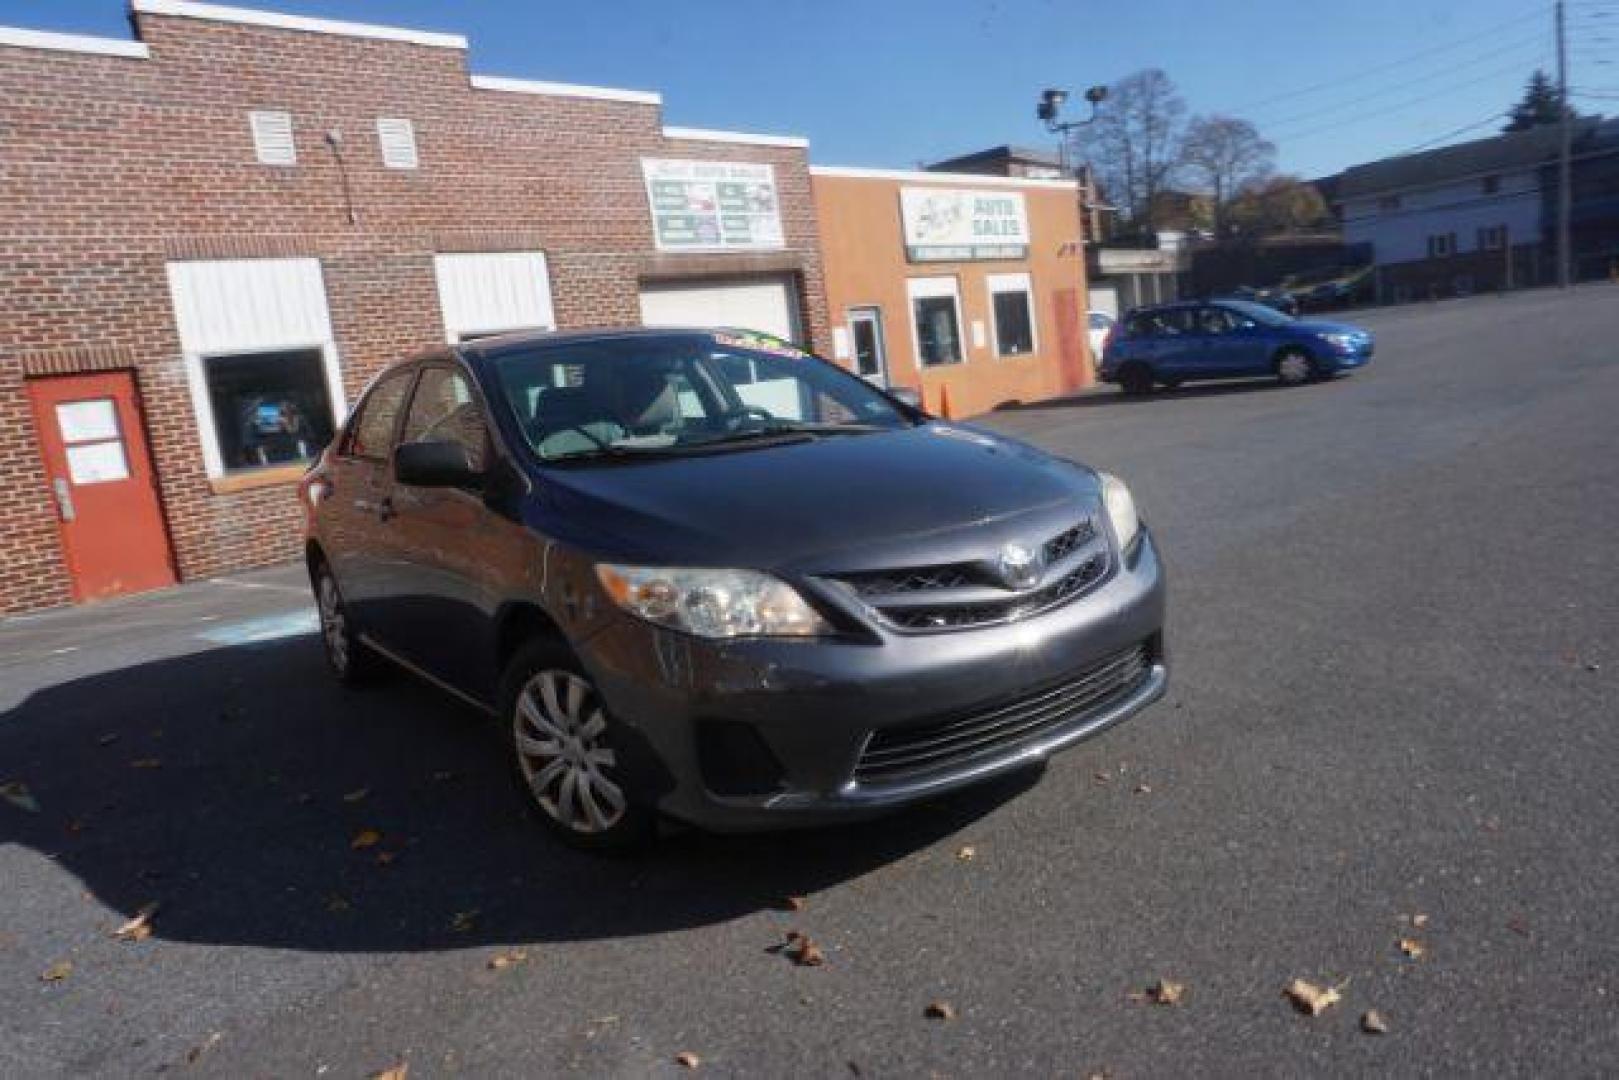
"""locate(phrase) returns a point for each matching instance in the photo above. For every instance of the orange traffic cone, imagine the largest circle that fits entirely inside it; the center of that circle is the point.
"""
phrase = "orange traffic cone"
(944, 402)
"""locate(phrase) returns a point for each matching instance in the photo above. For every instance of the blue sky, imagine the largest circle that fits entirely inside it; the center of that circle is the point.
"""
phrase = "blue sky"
(895, 82)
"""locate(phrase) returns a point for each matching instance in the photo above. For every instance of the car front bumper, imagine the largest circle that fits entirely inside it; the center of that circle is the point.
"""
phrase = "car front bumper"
(813, 706)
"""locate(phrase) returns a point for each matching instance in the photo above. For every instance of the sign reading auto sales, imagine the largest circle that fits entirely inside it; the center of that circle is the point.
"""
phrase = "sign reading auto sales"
(943, 224)
(712, 205)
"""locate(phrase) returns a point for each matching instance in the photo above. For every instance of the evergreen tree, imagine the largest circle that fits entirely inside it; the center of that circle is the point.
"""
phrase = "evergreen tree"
(1540, 105)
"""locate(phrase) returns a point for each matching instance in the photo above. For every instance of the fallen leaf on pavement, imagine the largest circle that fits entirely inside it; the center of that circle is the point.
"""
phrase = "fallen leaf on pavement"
(1143, 789)
(17, 794)
(1413, 948)
(203, 1047)
(1102, 777)
(356, 795)
(502, 961)
(966, 853)
(398, 1072)
(939, 1010)
(464, 921)
(365, 838)
(804, 952)
(138, 928)
(1518, 924)
(792, 903)
(146, 763)
(1419, 921)
(57, 971)
(1311, 999)
(1165, 992)
(688, 1060)
(1372, 1023)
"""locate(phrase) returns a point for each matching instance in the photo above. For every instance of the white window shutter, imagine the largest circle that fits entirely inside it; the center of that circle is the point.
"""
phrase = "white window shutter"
(272, 138)
(398, 139)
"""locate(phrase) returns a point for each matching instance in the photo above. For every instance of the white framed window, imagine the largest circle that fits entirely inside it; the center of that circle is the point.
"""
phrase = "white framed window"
(1441, 245)
(1011, 314)
(272, 137)
(398, 140)
(483, 293)
(1492, 237)
(936, 320)
(260, 361)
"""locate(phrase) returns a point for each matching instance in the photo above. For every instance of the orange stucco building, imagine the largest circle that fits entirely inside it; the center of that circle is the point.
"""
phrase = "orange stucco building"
(969, 288)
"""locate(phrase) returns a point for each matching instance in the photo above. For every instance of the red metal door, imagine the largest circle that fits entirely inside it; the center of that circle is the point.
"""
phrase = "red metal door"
(100, 473)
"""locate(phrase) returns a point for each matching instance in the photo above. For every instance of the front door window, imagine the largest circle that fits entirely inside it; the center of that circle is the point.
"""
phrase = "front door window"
(866, 334)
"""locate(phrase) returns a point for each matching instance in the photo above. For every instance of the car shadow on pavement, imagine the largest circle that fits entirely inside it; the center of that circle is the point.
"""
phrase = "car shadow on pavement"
(1099, 398)
(260, 804)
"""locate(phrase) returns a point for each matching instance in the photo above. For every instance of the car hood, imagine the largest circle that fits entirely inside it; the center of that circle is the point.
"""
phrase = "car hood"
(920, 495)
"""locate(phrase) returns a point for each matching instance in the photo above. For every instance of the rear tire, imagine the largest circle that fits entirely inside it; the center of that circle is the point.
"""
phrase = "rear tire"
(1136, 379)
(567, 757)
(351, 661)
(1294, 367)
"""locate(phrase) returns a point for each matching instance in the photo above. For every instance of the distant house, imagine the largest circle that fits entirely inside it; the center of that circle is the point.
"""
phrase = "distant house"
(1479, 215)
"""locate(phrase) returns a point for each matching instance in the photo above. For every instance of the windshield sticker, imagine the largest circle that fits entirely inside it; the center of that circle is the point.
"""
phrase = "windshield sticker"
(764, 343)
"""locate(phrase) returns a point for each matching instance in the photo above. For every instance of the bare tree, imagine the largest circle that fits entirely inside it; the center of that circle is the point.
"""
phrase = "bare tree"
(1224, 155)
(1277, 204)
(1135, 144)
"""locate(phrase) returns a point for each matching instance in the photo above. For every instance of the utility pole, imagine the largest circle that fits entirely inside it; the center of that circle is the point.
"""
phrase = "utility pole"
(1565, 178)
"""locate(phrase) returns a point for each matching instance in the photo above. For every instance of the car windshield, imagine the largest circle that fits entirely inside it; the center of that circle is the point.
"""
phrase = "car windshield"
(658, 395)
(1260, 313)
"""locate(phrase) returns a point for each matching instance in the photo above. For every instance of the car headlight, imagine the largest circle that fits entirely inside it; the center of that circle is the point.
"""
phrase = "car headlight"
(1340, 341)
(712, 603)
(1121, 510)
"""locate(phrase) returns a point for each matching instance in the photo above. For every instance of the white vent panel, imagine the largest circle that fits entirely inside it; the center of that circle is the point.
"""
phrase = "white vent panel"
(272, 138)
(398, 139)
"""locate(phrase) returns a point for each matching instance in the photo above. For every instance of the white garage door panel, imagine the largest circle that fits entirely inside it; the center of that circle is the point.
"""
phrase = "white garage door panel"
(489, 291)
(241, 305)
(765, 305)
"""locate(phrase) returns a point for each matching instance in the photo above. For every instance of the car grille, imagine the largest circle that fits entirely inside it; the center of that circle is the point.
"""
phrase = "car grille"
(957, 596)
(895, 754)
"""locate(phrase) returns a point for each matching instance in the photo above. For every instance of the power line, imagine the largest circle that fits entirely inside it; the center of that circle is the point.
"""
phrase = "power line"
(1364, 73)
(1464, 129)
(1376, 113)
(1444, 74)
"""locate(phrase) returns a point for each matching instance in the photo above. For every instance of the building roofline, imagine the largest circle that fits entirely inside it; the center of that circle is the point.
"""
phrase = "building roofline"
(745, 137)
(77, 43)
(188, 9)
(557, 89)
(970, 179)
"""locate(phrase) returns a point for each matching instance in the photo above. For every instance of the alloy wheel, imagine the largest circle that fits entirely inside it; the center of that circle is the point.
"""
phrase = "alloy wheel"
(334, 628)
(1293, 368)
(560, 731)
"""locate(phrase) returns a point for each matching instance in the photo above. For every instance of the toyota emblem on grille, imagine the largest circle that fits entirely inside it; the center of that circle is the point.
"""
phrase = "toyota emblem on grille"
(1019, 566)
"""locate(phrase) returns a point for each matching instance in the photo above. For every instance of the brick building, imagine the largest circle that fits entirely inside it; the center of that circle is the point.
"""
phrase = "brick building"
(213, 234)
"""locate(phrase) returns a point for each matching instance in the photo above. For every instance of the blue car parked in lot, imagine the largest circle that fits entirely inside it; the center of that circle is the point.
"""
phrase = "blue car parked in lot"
(1227, 339)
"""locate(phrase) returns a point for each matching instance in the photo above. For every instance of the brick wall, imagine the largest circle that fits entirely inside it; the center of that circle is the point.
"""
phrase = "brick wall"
(111, 166)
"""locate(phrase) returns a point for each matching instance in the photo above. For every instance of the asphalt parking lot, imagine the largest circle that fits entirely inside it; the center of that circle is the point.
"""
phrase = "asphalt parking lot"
(1394, 717)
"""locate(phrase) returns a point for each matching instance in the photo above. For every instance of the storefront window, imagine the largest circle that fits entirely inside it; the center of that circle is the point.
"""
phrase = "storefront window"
(1012, 309)
(938, 326)
(270, 408)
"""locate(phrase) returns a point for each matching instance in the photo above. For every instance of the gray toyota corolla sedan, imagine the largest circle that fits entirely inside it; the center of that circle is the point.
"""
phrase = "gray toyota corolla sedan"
(707, 575)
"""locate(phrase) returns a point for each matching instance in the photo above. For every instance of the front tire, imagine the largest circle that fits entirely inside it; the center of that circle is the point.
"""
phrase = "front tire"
(1294, 367)
(567, 758)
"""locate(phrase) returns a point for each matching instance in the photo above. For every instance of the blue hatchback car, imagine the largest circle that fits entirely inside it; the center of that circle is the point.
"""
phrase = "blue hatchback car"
(1227, 339)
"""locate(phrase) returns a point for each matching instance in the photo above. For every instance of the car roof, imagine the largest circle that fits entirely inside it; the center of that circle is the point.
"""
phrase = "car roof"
(521, 340)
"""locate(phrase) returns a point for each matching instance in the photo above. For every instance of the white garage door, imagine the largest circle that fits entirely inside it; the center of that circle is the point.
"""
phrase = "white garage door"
(764, 304)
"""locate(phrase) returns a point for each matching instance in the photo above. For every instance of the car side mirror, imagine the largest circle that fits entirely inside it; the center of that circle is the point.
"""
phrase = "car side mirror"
(435, 464)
